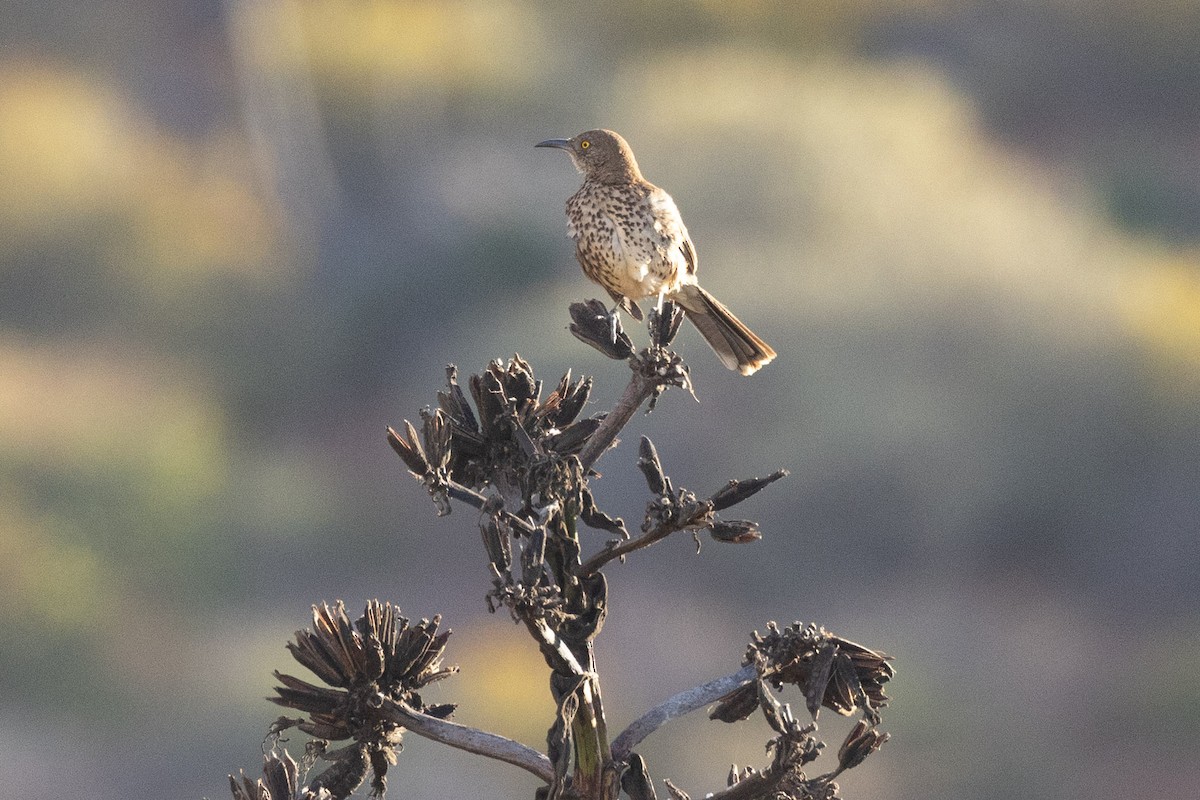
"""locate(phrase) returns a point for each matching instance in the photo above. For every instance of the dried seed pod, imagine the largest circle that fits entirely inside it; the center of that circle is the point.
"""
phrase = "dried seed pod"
(592, 323)
(497, 542)
(409, 449)
(374, 662)
(281, 775)
(436, 437)
(862, 742)
(280, 781)
(737, 705)
(489, 396)
(380, 761)
(441, 710)
(635, 780)
(246, 789)
(326, 730)
(570, 440)
(650, 465)
(675, 792)
(454, 402)
(411, 649)
(819, 674)
(303, 696)
(529, 448)
(735, 531)
(533, 557)
(586, 624)
(737, 491)
(593, 517)
(345, 775)
(772, 710)
(312, 653)
(572, 399)
(519, 383)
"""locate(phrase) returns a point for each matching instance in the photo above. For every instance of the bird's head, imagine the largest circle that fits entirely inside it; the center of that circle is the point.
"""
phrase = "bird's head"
(600, 155)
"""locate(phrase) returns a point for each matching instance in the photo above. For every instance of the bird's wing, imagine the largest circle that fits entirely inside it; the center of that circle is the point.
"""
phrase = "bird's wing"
(689, 255)
(669, 224)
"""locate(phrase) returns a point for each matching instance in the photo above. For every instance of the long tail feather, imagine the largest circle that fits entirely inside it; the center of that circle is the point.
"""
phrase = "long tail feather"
(737, 346)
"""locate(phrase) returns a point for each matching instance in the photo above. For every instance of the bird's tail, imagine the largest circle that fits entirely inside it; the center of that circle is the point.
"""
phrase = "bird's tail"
(736, 345)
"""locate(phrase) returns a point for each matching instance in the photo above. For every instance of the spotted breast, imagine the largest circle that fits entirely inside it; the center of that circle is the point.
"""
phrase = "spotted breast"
(630, 239)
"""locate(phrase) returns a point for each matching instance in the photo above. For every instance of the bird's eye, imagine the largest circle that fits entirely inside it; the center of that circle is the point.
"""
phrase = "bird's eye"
(585, 144)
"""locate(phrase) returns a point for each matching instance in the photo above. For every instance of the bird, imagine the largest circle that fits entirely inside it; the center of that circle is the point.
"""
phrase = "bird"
(631, 240)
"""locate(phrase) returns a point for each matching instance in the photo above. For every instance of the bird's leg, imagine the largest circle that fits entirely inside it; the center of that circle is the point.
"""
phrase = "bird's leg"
(614, 319)
(656, 329)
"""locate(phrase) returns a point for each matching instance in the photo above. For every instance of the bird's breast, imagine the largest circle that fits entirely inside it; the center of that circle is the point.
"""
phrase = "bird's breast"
(629, 238)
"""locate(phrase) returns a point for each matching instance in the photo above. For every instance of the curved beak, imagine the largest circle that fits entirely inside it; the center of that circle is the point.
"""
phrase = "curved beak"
(561, 144)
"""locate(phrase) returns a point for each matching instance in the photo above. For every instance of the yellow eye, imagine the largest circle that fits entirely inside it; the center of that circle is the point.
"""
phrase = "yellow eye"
(585, 144)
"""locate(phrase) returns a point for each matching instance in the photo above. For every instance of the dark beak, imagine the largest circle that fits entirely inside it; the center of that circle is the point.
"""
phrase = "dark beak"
(561, 144)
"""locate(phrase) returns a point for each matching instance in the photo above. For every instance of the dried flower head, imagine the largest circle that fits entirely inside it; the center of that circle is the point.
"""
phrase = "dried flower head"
(280, 781)
(862, 741)
(795, 746)
(513, 440)
(831, 671)
(594, 324)
(376, 658)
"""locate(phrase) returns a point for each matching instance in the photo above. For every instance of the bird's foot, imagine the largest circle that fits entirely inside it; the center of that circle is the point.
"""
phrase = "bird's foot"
(664, 324)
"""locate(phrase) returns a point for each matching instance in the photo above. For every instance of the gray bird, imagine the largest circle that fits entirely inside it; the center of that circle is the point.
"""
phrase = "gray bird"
(630, 239)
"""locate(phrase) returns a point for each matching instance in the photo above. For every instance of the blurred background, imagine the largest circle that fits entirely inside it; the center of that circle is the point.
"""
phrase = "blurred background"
(239, 238)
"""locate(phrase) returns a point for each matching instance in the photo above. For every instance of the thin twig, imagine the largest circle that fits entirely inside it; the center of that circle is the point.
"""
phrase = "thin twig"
(473, 498)
(619, 549)
(683, 703)
(639, 390)
(471, 740)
